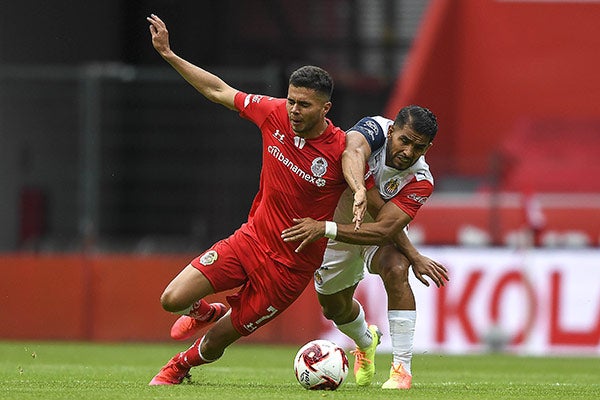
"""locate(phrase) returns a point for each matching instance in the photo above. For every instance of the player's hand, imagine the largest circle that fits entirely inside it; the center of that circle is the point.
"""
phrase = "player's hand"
(426, 266)
(306, 230)
(359, 207)
(160, 34)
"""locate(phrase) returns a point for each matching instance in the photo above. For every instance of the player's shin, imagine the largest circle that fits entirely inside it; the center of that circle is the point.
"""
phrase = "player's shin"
(193, 357)
(402, 330)
(358, 330)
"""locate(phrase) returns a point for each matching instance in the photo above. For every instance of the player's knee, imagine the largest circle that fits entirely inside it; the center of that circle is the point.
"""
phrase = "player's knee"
(170, 301)
(395, 274)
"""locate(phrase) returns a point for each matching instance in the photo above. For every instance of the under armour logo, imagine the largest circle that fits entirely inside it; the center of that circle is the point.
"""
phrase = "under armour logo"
(278, 135)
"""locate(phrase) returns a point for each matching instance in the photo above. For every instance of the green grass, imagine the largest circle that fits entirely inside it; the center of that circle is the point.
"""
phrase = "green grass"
(47, 371)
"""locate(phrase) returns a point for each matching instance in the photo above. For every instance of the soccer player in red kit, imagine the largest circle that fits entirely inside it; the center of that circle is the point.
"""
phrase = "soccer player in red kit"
(301, 176)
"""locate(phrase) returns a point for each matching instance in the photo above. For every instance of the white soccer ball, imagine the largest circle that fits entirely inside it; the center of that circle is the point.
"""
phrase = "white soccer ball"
(321, 365)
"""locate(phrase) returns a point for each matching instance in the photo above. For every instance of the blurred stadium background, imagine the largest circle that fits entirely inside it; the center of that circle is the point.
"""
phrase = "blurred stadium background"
(114, 172)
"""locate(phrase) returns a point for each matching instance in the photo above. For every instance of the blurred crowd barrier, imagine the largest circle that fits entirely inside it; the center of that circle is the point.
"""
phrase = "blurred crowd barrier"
(537, 301)
(550, 220)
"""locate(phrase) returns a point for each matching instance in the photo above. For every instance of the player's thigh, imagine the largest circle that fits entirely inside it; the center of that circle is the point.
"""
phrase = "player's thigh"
(342, 268)
(187, 287)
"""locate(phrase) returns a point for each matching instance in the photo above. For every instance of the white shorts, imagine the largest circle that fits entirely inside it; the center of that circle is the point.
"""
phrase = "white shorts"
(343, 266)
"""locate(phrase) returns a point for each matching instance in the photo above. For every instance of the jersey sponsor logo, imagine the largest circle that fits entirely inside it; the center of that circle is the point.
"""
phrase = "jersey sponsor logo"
(209, 258)
(391, 187)
(417, 198)
(319, 163)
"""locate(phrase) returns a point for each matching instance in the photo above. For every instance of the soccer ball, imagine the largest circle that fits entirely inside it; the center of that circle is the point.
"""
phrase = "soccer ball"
(321, 365)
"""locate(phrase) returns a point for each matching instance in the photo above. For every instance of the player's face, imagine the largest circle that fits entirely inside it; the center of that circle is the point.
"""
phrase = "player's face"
(306, 109)
(404, 147)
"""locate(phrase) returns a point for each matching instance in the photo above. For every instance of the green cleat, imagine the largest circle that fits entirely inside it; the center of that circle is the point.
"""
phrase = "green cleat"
(364, 359)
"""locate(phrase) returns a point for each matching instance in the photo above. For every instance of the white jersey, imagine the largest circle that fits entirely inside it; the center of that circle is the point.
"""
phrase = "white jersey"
(389, 181)
(343, 263)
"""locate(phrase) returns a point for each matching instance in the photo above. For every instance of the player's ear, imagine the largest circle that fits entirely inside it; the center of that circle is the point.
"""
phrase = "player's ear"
(390, 130)
(326, 107)
(428, 147)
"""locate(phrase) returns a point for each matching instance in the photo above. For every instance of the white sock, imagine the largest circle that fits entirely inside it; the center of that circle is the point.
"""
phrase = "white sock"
(402, 332)
(358, 330)
(206, 360)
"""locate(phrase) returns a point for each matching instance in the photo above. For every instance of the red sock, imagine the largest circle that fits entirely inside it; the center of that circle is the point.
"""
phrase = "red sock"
(192, 357)
(201, 310)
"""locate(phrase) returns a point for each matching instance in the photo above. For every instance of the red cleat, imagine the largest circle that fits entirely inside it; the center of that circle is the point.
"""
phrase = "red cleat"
(186, 327)
(171, 374)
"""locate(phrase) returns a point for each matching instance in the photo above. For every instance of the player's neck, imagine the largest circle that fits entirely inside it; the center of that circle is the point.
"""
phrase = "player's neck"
(314, 133)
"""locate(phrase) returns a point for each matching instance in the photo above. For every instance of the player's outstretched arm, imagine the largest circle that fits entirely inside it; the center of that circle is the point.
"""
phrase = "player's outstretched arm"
(210, 86)
(390, 220)
(354, 160)
(387, 229)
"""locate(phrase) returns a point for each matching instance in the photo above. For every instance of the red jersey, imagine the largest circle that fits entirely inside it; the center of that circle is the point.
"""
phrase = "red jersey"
(299, 178)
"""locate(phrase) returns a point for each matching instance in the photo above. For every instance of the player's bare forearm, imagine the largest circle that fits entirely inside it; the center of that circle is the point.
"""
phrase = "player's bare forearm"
(370, 233)
(307, 230)
(405, 246)
(354, 159)
(209, 85)
(421, 265)
(353, 165)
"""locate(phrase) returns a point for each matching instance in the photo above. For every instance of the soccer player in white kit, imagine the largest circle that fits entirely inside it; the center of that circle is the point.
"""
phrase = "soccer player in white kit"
(396, 185)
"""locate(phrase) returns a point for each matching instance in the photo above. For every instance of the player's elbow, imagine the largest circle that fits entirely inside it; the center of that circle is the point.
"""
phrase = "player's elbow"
(387, 232)
(355, 153)
(386, 237)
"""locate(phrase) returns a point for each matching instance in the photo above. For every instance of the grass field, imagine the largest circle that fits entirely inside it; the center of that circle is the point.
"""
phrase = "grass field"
(44, 370)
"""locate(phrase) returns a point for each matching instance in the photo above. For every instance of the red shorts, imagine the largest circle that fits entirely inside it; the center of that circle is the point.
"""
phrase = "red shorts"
(267, 287)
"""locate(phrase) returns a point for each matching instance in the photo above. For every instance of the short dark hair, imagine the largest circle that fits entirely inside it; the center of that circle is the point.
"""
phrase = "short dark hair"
(312, 77)
(419, 119)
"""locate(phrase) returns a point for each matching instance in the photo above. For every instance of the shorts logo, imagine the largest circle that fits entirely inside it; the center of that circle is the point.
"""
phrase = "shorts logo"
(252, 326)
(318, 278)
(209, 257)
